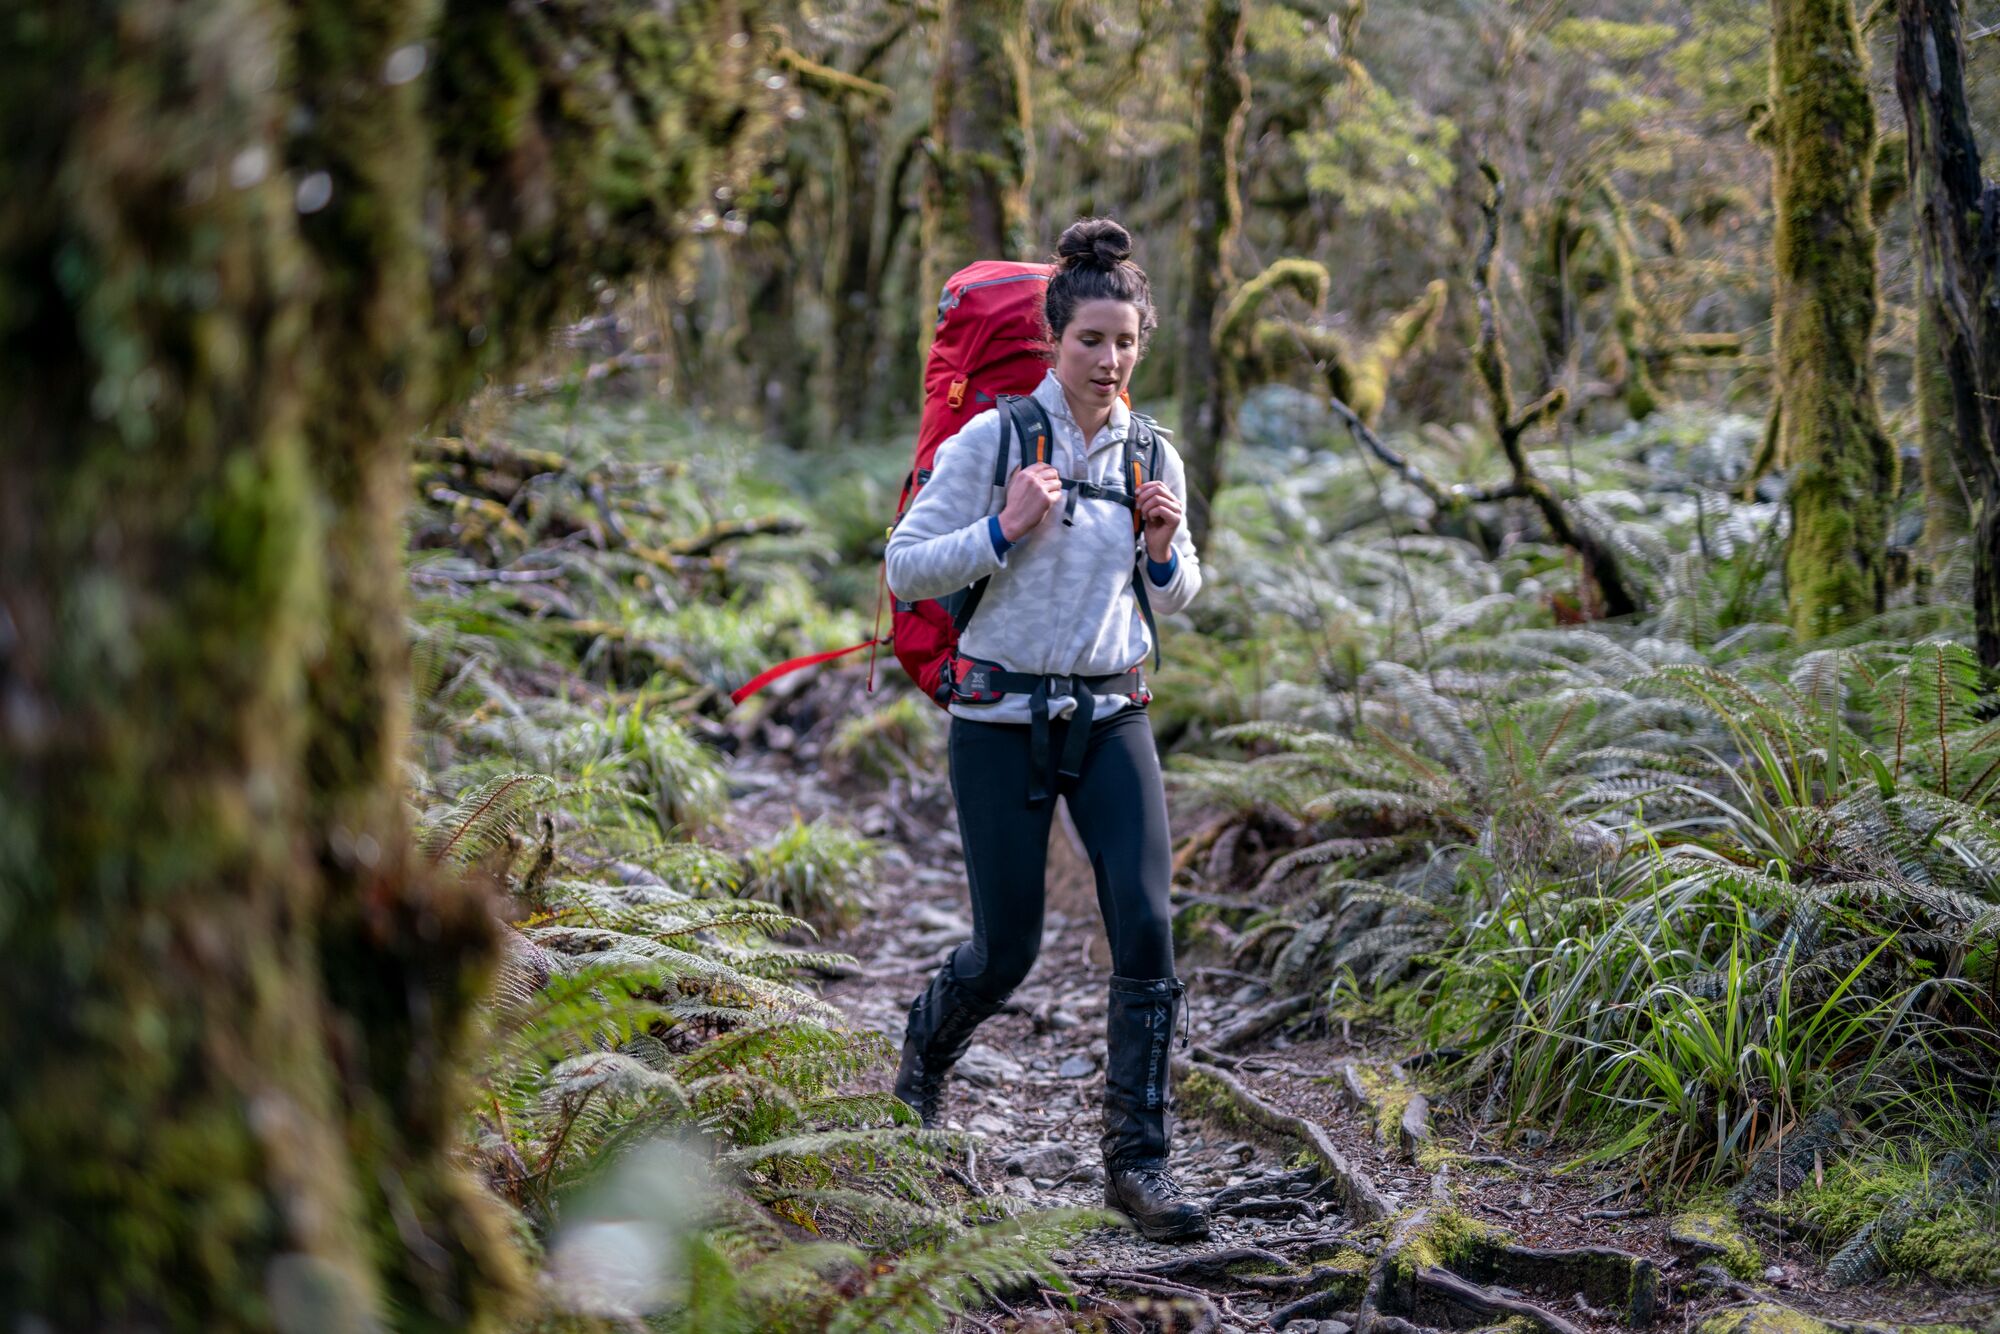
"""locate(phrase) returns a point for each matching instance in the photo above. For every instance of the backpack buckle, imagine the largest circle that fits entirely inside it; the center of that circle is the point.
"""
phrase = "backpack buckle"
(956, 396)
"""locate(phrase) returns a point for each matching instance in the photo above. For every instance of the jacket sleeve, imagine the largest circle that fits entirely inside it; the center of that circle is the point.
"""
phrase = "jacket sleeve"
(942, 543)
(1178, 591)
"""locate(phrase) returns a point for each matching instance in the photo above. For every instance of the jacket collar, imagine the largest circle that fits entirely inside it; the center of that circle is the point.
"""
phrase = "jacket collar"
(1049, 393)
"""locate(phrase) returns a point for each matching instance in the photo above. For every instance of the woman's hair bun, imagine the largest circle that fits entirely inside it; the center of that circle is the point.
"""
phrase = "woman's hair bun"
(1098, 241)
(1094, 263)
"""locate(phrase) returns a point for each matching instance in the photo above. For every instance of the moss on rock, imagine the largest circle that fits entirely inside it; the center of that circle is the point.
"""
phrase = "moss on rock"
(1763, 1318)
(1714, 1231)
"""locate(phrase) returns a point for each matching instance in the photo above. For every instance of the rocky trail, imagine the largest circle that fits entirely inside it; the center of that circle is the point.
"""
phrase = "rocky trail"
(1344, 1198)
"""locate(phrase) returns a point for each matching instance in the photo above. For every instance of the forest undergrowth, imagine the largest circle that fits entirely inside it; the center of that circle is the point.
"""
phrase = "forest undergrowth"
(1676, 892)
(664, 1099)
(1679, 894)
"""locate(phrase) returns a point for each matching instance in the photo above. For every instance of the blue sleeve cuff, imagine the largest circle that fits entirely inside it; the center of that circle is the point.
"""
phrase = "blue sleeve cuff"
(1000, 542)
(1162, 572)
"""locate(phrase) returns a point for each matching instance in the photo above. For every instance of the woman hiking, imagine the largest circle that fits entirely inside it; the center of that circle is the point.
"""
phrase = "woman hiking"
(1050, 698)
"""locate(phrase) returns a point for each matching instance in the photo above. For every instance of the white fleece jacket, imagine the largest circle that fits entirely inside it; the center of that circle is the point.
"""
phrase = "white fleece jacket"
(1061, 601)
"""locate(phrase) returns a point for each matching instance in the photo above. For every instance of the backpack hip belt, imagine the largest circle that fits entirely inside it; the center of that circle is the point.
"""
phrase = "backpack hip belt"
(970, 677)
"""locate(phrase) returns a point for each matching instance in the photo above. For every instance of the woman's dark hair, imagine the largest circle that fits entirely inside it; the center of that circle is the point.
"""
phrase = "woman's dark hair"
(1094, 262)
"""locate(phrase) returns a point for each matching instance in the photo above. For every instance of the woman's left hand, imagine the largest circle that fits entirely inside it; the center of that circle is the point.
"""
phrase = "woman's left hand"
(1160, 509)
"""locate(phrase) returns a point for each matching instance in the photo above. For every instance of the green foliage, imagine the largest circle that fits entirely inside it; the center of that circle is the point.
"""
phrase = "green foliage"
(902, 738)
(1684, 888)
(648, 995)
(1381, 154)
(1916, 1210)
(1611, 38)
(818, 871)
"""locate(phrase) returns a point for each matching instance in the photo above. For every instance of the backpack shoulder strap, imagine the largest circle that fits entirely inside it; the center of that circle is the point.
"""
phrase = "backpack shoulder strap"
(1010, 425)
(1142, 465)
(1142, 447)
(1038, 425)
(1007, 426)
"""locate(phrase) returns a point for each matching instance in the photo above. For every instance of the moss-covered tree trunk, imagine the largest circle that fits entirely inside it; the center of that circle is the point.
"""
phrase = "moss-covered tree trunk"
(1958, 354)
(975, 201)
(1205, 408)
(1842, 464)
(249, 248)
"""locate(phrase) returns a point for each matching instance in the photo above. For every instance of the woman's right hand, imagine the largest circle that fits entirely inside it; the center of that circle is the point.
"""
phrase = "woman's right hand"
(1033, 492)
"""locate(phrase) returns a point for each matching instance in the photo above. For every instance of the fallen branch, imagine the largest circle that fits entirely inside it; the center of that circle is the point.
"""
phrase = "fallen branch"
(733, 530)
(595, 373)
(508, 459)
(1444, 498)
(425, 576)
(1259, 1022)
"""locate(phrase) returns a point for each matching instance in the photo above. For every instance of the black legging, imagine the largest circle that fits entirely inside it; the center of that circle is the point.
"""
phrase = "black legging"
(1120, 809)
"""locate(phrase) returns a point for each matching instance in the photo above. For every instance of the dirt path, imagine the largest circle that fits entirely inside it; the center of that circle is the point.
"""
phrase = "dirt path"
(1323, 1224)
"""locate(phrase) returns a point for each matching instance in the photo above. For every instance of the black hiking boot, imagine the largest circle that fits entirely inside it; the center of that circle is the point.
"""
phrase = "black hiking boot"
(1148, 1194)
(942, 1019)
(1139, 1029)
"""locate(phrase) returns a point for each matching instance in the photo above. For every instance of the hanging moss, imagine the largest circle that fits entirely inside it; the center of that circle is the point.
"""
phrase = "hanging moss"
(1360, 376)
(1821, 134)
(1613, 229)
(1235, 334)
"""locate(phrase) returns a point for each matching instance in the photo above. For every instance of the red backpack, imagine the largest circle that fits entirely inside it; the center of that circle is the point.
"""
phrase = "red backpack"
(988, 351)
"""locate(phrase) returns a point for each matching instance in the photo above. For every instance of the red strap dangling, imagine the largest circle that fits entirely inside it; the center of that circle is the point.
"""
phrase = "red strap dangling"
(770, 674)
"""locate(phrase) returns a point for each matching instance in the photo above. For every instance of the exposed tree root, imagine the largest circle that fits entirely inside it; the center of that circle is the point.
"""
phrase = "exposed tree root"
(1211, 1091)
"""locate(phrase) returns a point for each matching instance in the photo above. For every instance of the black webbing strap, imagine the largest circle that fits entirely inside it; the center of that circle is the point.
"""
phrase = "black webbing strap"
(1151, 470)
(1139, 581)
(1083, 689)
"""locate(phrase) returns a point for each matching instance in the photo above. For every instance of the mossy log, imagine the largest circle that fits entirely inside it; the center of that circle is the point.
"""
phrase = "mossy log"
(251, 249)
(1842, 465)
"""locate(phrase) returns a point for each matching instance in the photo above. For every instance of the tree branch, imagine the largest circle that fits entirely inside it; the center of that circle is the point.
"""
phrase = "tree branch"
(832, 83)
(1512, 423)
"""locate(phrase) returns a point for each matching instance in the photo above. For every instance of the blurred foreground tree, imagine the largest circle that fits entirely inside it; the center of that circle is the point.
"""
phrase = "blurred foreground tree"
(248, 247)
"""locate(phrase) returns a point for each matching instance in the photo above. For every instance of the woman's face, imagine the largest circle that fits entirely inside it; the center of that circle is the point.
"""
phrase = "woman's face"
(1098, 349)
